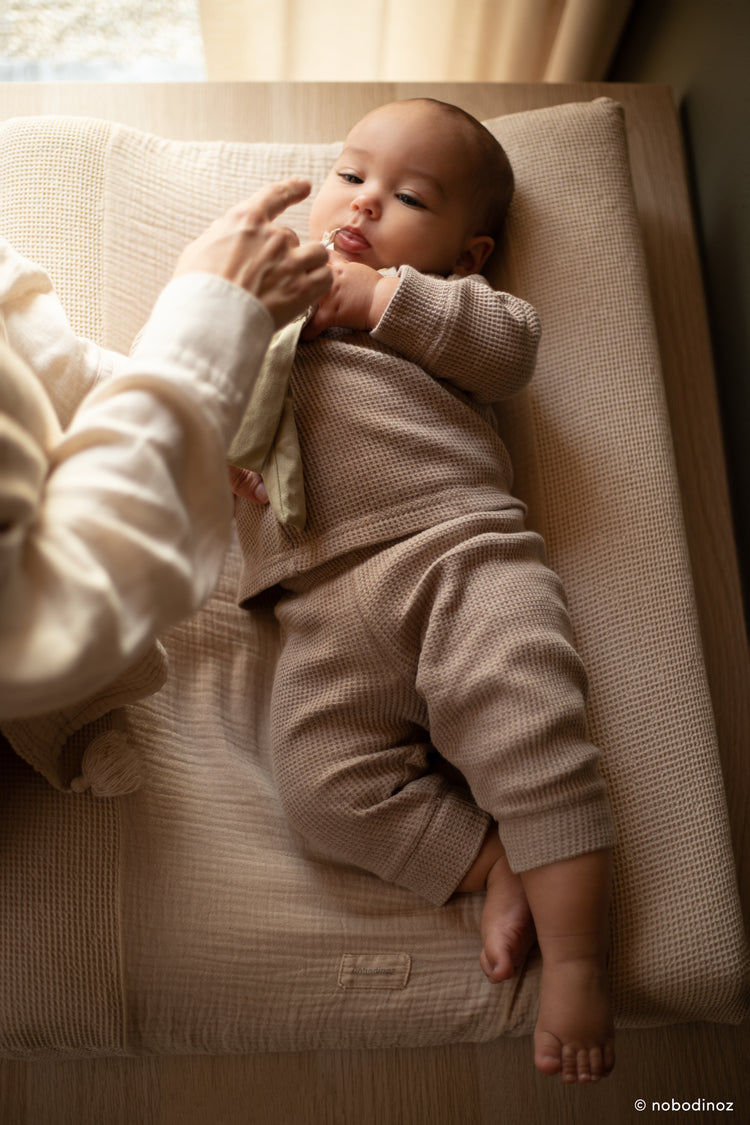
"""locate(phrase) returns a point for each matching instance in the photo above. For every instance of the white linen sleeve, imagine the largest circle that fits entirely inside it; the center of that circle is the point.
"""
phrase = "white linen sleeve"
(35, 325)
(117, 526)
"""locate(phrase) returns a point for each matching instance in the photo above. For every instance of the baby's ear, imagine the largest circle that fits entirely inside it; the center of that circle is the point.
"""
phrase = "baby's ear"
(474, 254)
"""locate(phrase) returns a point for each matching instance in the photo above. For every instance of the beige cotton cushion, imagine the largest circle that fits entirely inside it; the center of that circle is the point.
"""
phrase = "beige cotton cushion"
(233, 939)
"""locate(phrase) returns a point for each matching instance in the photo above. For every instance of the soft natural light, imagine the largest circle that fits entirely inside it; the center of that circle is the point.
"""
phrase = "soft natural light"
(100, 40)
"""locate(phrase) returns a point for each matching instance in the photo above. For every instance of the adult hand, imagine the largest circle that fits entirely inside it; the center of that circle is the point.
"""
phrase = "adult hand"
(246, 247)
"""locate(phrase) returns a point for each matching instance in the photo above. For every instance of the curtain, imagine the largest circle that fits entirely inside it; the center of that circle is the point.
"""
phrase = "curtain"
(411, 40)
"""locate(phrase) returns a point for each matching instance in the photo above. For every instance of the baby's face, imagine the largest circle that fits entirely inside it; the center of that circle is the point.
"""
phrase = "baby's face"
(398, 195)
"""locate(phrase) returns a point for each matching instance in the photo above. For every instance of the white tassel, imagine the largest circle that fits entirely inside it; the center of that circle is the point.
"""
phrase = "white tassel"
(110, 766)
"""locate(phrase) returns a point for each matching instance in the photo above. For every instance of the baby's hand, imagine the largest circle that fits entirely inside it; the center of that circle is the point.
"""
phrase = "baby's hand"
(246, 483)
(357, 298)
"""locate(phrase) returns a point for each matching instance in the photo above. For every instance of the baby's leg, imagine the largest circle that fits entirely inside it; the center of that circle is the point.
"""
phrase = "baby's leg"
(569, 901)
(498, 627)
(507, 927)
(352, 760)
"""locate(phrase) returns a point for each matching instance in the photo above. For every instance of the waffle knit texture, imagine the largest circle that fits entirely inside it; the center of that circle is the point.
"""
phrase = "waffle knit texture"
(389, 440)
(394, 441)
(461, 629)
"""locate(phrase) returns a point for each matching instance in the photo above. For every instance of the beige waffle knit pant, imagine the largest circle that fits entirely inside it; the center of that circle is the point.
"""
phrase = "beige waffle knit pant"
(460, 631)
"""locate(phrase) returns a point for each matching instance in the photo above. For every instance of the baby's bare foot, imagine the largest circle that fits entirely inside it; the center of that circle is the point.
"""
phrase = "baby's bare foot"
(574, 1034)
(507, 927)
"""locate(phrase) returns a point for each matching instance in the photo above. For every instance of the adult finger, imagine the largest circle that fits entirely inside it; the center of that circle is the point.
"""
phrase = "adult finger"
(312, 256)
(272, 200)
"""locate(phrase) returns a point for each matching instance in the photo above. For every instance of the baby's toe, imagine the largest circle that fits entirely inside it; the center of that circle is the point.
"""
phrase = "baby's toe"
(585, 1066)
(596, 1064)
(547, 1056)
(575, 1064)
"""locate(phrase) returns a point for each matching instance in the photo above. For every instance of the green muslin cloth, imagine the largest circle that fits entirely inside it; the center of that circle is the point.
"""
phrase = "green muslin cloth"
(266, 441)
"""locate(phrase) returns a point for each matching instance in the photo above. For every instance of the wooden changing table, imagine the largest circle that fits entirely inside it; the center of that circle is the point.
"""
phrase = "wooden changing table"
(461, 1084)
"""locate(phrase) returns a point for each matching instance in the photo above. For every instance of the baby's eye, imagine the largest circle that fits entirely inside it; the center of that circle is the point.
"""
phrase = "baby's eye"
(409, 200)
(350, 178)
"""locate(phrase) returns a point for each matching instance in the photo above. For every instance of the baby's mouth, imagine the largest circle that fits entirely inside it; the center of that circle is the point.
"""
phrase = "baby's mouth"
(351, 241)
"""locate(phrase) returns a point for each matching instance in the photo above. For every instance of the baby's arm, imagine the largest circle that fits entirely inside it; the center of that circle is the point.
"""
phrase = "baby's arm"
(463, 331)
(459, 330)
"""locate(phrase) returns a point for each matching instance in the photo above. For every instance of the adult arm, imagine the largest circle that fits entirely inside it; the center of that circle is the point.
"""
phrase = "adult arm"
(114, 527)
(34, 324)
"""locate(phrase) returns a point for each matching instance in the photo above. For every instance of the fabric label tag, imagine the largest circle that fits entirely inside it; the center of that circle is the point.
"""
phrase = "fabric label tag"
(374, 970)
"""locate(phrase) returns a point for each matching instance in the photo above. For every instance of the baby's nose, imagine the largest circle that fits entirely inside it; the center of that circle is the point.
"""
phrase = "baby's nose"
(367, 202)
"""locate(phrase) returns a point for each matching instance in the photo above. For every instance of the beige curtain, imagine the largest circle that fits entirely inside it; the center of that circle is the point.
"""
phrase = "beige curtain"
(411, 40)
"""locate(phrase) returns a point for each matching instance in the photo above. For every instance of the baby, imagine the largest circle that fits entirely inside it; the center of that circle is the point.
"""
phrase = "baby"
(415, 600)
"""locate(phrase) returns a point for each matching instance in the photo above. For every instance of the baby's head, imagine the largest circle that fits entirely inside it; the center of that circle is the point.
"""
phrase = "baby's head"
(418, 183)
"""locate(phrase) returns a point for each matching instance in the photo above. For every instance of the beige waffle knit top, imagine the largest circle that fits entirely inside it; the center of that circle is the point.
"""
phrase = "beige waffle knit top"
(394, 425)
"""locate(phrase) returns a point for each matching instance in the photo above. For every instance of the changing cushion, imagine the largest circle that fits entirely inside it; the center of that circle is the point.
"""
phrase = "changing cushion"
(233, 938)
